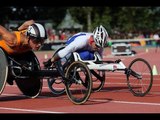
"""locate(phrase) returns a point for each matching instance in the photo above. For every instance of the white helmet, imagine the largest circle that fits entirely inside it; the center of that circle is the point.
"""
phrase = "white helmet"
(37, 31)
(100, 36)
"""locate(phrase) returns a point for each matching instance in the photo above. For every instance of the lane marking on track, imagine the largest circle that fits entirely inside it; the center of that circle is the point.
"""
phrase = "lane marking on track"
(28, 110)
(98, 100)
(106, 83)
(126, 102)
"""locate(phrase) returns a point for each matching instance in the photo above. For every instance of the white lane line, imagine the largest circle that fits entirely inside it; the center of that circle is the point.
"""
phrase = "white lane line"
(138, 103)
(42, 111)
(28, 110)
(126, 102)
(98, 100)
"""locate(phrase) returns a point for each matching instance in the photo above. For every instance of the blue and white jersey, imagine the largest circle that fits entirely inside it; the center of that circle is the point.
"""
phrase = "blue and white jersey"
(77, 42)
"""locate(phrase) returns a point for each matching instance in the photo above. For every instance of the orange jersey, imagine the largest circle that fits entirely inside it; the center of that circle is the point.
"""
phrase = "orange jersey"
(17, 48)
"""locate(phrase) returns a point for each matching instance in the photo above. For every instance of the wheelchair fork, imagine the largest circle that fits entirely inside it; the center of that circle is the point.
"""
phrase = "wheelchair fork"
(129, 72)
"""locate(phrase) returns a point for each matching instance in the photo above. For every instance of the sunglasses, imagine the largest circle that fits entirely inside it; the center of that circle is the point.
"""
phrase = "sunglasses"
(37, 41)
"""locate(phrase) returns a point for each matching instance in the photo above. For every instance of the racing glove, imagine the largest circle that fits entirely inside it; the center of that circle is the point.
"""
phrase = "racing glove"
(47, 63)
(117, 61)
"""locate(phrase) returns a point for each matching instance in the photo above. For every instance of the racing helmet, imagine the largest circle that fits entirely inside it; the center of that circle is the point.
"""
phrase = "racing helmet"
(37, 32)
(100, 36)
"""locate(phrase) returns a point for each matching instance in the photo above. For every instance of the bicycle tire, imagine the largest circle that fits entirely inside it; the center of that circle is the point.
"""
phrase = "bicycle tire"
(147, 77)
(85, 81)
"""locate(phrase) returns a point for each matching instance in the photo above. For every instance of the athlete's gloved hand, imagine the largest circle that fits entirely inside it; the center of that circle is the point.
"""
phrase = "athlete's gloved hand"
(117, 61)
(48, 63)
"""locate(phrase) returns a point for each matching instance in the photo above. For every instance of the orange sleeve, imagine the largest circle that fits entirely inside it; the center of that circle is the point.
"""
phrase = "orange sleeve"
(18, 37)
(7, 48)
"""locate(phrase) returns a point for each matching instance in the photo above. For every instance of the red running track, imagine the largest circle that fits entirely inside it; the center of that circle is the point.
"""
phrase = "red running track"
(113, 98)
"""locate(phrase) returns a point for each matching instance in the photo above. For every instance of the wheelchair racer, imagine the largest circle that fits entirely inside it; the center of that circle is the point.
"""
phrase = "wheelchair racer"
(85, 44)
(29, 36)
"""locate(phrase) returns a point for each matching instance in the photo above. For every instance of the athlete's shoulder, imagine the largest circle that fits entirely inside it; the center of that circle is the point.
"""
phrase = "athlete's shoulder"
(89, 33)
(84, 33)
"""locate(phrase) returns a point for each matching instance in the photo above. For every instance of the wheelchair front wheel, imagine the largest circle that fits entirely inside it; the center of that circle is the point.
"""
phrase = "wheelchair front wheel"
(139, 77)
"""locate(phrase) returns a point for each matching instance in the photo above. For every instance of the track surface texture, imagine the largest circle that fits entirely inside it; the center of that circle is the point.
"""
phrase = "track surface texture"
(115, 96)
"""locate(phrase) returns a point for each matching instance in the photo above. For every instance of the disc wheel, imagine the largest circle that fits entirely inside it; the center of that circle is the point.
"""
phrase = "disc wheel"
(31, 86)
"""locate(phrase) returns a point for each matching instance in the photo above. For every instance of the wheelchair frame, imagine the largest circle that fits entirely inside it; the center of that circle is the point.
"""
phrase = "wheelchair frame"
(23, 67)
(118, 66)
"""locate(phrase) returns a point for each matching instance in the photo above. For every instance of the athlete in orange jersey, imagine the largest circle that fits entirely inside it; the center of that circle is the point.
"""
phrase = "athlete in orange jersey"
(29, 36)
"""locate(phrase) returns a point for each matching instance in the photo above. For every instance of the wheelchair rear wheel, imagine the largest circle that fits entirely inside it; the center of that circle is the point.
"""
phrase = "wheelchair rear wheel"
(31, 86)
(56, 85)
(79, 84)
(3, 70)
(98, 78)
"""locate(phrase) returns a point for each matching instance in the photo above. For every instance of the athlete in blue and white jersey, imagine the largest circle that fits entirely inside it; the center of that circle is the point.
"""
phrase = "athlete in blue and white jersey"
(80, 43)
(84, 43)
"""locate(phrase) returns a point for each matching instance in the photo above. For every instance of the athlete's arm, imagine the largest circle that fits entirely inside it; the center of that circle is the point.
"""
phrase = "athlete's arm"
(26, 24)
(7, 36)
(77, 44)
(55, 58)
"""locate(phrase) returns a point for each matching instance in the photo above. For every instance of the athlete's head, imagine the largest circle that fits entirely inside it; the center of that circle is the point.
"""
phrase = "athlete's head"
(37, 34)
(37, 31)
(100, 36)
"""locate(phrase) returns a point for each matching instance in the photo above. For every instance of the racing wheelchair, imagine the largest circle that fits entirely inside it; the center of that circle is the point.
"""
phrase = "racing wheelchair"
(25, 70)
(138, 74)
